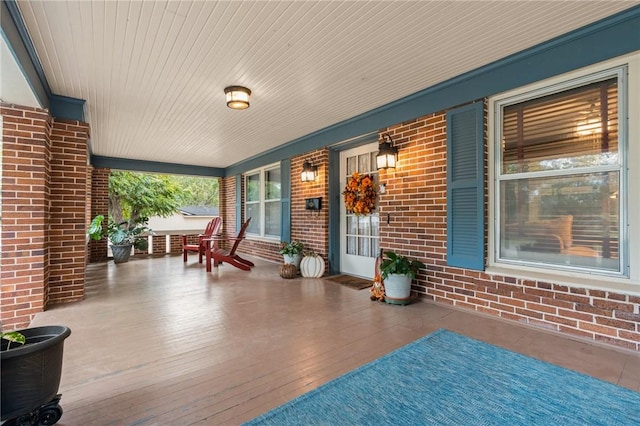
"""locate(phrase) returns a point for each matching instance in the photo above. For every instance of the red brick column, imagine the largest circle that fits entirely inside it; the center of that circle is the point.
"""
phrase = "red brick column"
(99, 205)
(67, 235)
(25, 211)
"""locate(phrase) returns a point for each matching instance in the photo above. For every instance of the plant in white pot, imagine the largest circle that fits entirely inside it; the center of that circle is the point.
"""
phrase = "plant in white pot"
(122, 236)
(397, 271)
(292, 252)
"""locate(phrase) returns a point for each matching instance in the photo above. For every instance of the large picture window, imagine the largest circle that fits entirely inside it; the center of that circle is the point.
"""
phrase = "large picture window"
(560, 184)
(262, 202)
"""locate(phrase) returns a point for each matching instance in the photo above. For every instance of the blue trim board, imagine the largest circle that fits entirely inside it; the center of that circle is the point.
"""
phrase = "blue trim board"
(238, 202)
(613, 36)
(285, 200)
(65, 107)
(19, 43)
(154, 167)
(334, 214)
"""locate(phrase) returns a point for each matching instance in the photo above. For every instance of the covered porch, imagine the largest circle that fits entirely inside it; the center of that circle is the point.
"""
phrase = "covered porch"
(157, 341)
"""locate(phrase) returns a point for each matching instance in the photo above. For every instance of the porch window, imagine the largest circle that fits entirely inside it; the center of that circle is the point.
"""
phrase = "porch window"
(560, 183)
(262, 201)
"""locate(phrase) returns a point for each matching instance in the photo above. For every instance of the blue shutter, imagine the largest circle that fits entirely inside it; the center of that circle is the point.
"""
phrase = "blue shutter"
(238, 202)
(285, 200)
(465, 187)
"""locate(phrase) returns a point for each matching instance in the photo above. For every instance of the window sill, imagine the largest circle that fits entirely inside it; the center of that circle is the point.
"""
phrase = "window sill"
(596, 282)
(263, 239)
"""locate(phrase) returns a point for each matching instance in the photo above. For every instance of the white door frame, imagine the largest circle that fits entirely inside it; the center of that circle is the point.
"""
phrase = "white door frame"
(352, 263)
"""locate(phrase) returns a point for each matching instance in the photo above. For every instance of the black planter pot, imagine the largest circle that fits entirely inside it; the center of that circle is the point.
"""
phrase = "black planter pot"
(121, 253)
(31, 376)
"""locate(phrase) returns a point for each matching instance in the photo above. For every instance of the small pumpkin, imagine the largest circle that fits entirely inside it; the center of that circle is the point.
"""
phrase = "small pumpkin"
(288, 270)
(312, 266)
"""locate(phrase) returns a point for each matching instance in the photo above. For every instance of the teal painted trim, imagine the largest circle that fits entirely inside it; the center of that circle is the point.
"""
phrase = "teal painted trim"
(294, 148)
(238, 202)
(66, 107)
(285, 200)
(335, 199)
(154, 167)
(17, 38)
(605, 39)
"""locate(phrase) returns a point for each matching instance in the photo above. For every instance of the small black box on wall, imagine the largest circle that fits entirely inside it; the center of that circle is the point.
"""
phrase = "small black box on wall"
(313, 203)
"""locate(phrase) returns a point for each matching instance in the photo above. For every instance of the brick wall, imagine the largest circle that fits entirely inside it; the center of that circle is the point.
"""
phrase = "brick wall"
(67, 221)
(99, 205)
(227, 197)
(175, 242)
(25, 210)
(311, 227)
(416, 202)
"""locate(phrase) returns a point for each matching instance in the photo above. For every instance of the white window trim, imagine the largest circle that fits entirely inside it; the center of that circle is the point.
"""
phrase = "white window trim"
(630, 284)
(261, 171)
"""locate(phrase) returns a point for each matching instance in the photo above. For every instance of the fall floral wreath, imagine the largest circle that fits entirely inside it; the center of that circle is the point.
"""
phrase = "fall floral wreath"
(360, 194)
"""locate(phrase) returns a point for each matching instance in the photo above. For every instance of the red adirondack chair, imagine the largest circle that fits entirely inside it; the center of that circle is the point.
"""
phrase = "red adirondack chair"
(220, 255)
(212, 229)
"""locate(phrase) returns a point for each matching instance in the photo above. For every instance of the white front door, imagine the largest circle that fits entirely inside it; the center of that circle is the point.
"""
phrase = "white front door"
(360, 234)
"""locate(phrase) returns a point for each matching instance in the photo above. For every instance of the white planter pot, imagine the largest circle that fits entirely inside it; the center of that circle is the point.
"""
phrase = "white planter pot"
(397, 288)
(293, 258)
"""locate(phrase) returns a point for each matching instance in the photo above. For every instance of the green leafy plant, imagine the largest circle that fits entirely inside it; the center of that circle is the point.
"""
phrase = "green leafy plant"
(394, 263)
(13, 337)
(126, 232)
(294, 247)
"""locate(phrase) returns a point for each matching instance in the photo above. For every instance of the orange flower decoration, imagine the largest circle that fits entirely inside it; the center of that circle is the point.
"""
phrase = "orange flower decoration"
(360, 194)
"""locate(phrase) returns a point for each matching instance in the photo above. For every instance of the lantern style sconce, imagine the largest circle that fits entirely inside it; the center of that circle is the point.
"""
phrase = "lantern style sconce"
(387, 154)
(309, 172)
(237, 97)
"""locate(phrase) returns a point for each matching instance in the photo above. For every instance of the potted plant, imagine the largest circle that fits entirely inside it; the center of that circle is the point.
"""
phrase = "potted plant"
(397, 271)
(292, 252)
(31, 361)
(122, 236)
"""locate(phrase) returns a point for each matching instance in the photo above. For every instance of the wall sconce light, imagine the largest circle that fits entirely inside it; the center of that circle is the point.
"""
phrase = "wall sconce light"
(237, 97)
(387, 154)
(309, 172)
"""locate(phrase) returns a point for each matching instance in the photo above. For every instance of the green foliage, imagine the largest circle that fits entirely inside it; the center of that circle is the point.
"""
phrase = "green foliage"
(294, 247)
(13, 337)
(397, 264)
(198, 191)
(136, 195)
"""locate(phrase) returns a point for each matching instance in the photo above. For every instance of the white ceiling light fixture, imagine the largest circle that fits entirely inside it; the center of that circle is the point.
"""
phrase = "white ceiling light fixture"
(237, 97)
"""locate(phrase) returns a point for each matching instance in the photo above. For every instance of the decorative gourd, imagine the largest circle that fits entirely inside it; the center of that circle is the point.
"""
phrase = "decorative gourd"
(312, 266)
(288, 270)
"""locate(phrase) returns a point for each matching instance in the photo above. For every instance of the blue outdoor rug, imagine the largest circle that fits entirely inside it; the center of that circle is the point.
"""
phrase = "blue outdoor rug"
(448, 379)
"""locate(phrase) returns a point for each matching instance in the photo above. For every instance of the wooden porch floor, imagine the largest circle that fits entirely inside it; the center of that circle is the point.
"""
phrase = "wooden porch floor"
(156, 342)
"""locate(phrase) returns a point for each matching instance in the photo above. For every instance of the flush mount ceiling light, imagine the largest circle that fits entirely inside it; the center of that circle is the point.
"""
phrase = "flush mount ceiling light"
(237, 97)
(387, 154)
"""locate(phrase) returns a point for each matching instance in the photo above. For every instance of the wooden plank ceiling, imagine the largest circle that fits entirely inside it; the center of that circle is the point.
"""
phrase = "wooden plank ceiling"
(153, 72)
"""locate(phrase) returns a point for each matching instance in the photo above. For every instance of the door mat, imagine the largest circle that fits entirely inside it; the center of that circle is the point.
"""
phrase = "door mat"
(350, 281)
